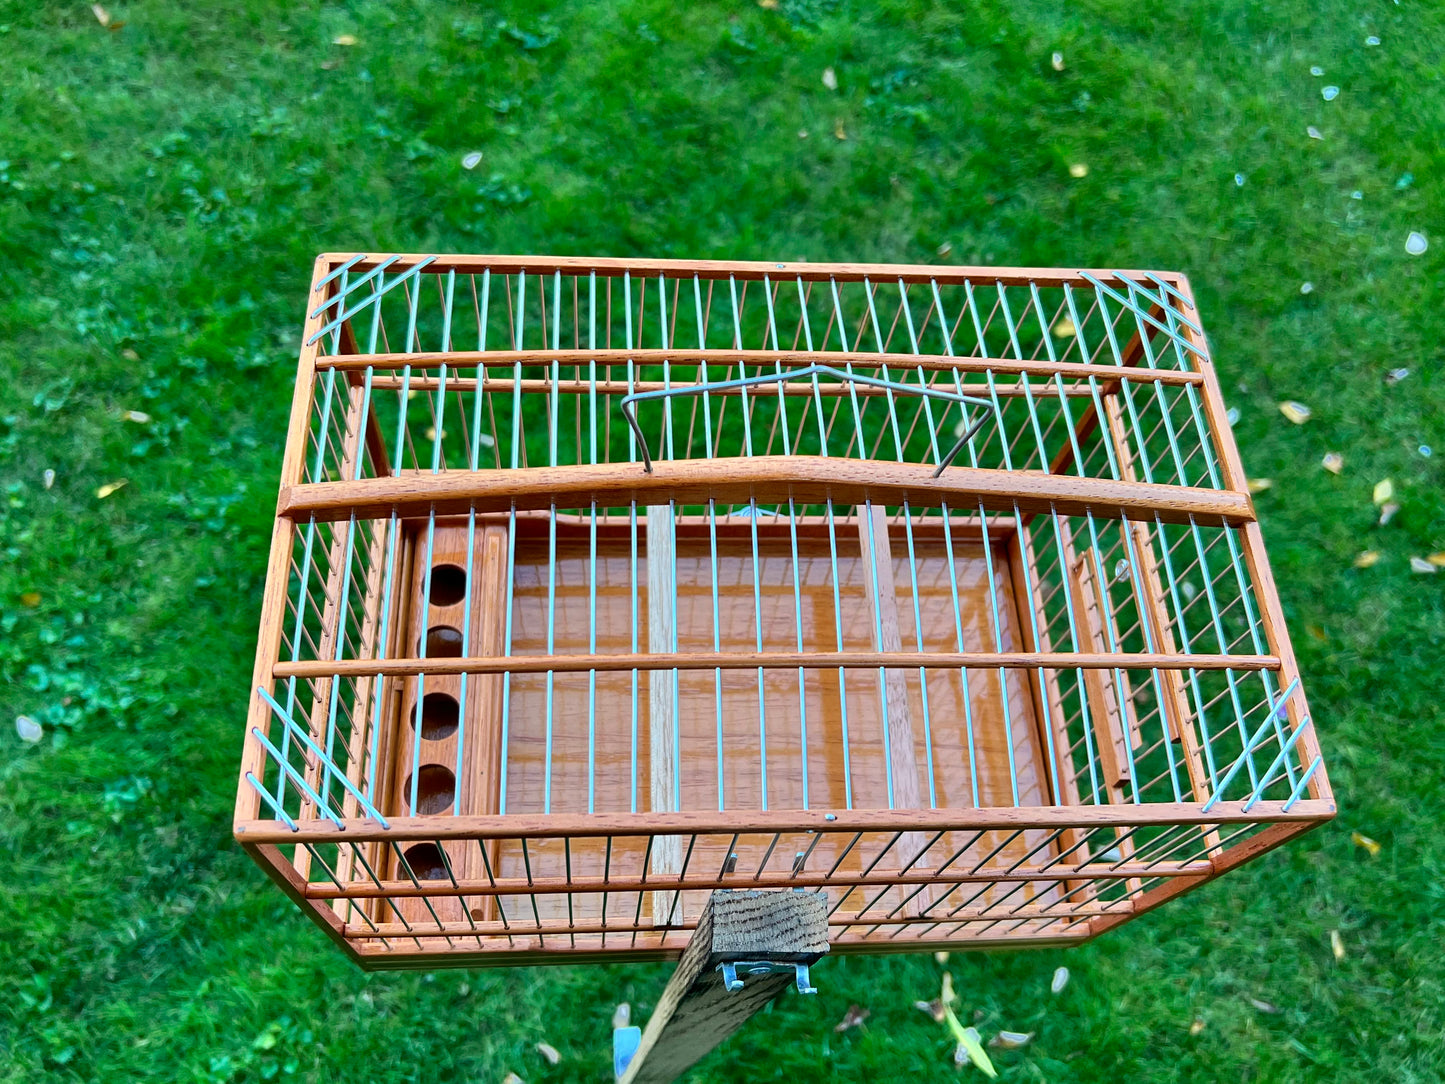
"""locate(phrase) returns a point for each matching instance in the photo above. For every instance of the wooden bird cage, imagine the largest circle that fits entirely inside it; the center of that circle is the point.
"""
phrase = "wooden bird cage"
(614, 582)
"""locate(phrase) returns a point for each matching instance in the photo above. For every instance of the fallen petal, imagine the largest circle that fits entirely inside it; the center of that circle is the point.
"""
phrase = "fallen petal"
(940, 958)
(1419, 564)
(1239, 179)
(1010, 1040)
(1333, 462)
(30, 598)
(28, 729)
(1384, 491)
(1394, 376)
(839, 132)
(1317, 71)
(830, 79)
(1065, 329)
(548, 1051)
(932, 1008)
(1295, 411)
(1057, 60)
(1329, 94)
(1313, 132)
(1387, 512)
(1078, 169)
(344, 39)
(1060, 980)
(946, 994)
(512, 1078)
(1372, 40)
(1416, 244)
(1359, 839)
(1121, 570)
(1196, 1027)
(1437, 559)
(472, 160)
(48, 477)
(140, 417)
(1232, 416)
(945, 248)
(1259, 485)
(1337, 944)
(1367, 559)
(1263, 1006)
(622, 1015)
(110, 487)
(101, 15)
(1307, 287)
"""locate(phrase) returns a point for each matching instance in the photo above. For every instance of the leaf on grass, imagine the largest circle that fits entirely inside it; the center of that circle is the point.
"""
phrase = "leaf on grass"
(346, 40)
(1333, 462)
(1337, 944)
(1011, 1040)
(853, 1018)
(1295, 411)
(622, 1015)
(770, 5)
(30, 598)
(549, 1052)
(1060, 980)
(1437, 559)
(1359, 839)
(1196, 1026)
(830, 79)
(110, 487)
(1384, 491)
(1419, 564)
(1367, 559)
(969, 1047)
(1264, 1006)
(1259, 485)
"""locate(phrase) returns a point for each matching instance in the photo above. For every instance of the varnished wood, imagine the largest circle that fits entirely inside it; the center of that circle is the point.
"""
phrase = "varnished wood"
(805, 479)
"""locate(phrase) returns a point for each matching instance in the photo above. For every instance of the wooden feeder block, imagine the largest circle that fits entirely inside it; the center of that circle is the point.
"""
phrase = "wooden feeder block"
(611, 583)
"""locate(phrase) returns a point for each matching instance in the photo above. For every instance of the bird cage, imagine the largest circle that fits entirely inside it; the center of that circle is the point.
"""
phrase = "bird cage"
(613, 582)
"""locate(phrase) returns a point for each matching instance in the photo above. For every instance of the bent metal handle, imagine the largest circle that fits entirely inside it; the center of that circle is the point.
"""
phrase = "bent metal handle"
(629, 403)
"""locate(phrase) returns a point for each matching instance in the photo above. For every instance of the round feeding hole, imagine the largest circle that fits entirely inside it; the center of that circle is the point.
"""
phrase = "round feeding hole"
(425, 860)
(448, 585)
(439, 712)
(443, 642)
(436, 788)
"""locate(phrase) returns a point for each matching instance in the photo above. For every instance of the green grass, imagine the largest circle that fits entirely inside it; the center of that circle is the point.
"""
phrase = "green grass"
(163, 189)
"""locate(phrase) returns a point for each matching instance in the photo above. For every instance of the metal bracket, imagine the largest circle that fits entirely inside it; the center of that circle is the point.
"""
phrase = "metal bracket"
(732, 983)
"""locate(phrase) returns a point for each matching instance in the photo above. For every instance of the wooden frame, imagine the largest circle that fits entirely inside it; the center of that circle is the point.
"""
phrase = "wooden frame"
(1092, 623)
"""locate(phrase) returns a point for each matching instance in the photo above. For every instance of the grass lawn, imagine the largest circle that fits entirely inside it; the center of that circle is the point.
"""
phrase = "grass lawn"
(163, 188)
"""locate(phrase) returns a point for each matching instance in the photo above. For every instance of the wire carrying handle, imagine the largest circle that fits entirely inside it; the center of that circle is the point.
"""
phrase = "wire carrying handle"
(629, 402)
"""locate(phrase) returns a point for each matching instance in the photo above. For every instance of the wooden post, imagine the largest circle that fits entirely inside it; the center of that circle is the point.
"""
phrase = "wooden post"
(662, 686)
(697, 1012)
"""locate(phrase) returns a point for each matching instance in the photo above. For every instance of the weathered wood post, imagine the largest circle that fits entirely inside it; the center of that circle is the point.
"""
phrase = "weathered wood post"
(748, 947)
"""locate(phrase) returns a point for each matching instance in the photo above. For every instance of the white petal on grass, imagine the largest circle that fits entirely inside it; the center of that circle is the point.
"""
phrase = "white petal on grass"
(1387, 513)
(1313, 132)
(830, 79)
(1384, 491)
(549, 1052)
(48, 478)
(1333, 462)
(1416, 244)
(1057, 60)
(1425, 450)
(622, 1015)
(1372, 40)
(1232, 416)
(1394, 376)
(1011, 1040)
(1337, 945)
(1329, 94)
(1424, 567)
(28, 729)
(1239, 179)
(1060, 980)
(472, 160)
(1317, 71)
(1295, 411)
(1307, 287)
